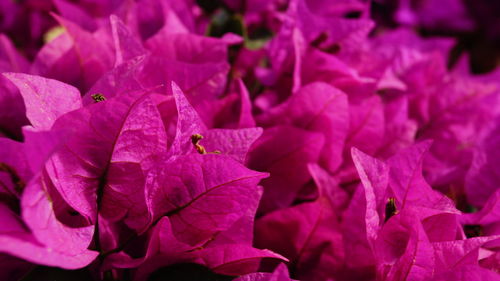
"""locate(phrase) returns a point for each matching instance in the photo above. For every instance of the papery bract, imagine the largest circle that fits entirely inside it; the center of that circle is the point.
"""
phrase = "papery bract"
(284, 152)
(18, 241)
(483, 176)
(45, 99)
(320, 108)
(100, 148)
(37, 234)
(280, 274)
(199, 205)
(403, 251)
(12, 111)
(314, 232)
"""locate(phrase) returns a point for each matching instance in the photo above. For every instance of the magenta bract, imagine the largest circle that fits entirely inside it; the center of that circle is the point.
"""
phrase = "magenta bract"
(254, 140)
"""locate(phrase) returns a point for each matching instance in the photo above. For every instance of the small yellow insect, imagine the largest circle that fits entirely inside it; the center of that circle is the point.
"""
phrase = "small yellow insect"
(98, 97)
(390, 208)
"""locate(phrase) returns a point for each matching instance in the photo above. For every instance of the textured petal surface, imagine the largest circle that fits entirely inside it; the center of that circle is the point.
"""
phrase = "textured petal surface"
(483, 177)
(17, 241)
(100, 146)
(45, 99)
(284, 152)
(312, 232)
(202, 194)
(280, 274)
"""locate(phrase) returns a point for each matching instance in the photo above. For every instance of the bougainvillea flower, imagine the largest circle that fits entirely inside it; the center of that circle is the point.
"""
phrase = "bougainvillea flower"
(208, 205)
(98, 150)
(483, 176)
(280, 274)
(486, 220)
(402, 250)
(45, 99)
(32, 229)
(424, 14)
(12, 110)
(401, 180)
(78, 56)
(320, 108)
(313, 235)
(284, 152)
(245, 140)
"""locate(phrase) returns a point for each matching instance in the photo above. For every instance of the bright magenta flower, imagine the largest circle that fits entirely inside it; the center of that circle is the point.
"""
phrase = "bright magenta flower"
(241, 140)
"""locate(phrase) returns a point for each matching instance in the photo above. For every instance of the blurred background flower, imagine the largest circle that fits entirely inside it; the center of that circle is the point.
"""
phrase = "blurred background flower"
(474, 23)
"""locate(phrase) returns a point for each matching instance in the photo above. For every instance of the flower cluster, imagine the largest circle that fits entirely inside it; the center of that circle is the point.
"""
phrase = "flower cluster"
(474, 24)
(241, 140)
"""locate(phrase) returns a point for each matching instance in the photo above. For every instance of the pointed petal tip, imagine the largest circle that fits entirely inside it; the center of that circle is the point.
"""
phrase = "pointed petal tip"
(114, 19)
(175, 86)
(16, 76)
(57, 17)
(426, 144)
(357, 155)
(8, 74)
